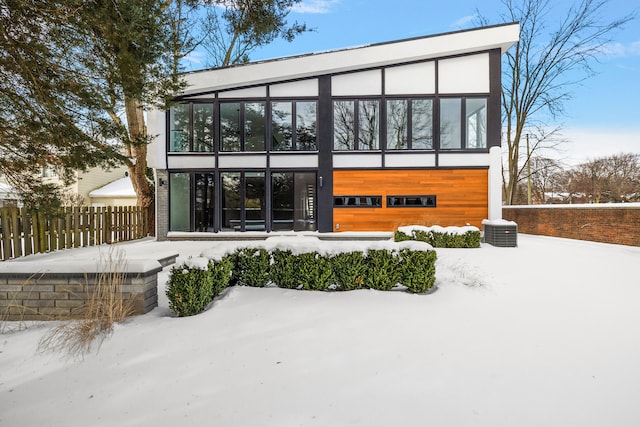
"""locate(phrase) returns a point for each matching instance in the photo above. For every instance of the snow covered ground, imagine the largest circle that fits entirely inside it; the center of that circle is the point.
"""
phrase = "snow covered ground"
(546, 334)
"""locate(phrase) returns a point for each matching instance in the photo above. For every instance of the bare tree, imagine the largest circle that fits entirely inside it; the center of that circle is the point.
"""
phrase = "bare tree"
(607, 179)
(540, 73)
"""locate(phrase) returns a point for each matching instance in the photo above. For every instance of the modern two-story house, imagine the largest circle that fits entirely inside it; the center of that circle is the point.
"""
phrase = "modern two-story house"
(361, 139)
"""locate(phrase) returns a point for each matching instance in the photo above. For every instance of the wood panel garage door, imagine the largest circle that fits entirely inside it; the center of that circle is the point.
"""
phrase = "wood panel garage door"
(461, 198)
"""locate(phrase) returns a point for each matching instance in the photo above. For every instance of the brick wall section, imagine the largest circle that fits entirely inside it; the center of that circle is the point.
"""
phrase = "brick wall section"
(162, 205)
(30, 292)
(618, 224)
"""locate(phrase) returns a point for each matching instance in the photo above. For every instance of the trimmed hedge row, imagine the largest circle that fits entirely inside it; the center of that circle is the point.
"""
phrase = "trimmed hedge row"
(441, 237)
(191, 289)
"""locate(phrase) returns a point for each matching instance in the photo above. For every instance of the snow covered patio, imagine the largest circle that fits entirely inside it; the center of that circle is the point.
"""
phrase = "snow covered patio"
(545, 334)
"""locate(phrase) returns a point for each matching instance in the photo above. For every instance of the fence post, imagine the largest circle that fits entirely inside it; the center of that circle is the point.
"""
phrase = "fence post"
(5, 228)
(27, 231)
(108, 227)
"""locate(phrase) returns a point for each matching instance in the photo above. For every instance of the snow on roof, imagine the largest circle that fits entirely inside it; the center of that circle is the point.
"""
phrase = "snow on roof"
(118, 188)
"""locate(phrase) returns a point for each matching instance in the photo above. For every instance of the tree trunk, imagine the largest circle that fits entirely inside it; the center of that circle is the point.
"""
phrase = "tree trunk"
(137, 148)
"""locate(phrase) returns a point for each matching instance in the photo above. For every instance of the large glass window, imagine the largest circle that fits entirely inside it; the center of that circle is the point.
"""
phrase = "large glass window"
(231, 201)
(397, 124)
(476, 113)
(179, 202)
(202, 127)
(306, 125)
(204, 201)
(450, 123)
(356, 125)
(409, 124)
(179, 128)
(254, 126)
(344, 131)
(368, 125)
(456, 134)
(243, 201)
(282, 126)
(421, 124)
(191, 128)
(293, 201)
(230, 126)
(242, 126)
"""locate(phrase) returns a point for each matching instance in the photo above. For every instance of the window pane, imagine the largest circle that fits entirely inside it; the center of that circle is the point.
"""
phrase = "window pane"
(476, 123)
(179, 199)
(254, 129)
(254, 201)
(344, 133)
(203, 127)
(179, 132)
(306, 119)
(305, 201)
(450, 123)
(422, 124)
(204, 201)
(231, 201)
(368, 125)
(282, 126)
(397, 120)
(283, 201)
(230, 126)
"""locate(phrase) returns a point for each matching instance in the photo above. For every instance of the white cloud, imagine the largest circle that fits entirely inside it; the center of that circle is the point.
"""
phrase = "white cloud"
(464, 21)
(587, 144)
(618, 49)
(314, 6)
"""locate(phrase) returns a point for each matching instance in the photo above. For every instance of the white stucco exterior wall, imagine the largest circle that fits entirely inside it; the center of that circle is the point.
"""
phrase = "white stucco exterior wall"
(495, 183)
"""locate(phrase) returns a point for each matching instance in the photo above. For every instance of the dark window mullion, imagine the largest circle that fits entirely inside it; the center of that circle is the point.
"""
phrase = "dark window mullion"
(356, 125)
(409, 123)
(294, 127)
(463, 124)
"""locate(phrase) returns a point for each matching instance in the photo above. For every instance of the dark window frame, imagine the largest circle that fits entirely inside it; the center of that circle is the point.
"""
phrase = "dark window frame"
(242, 123)
(357, 200)
(294, 123)
(463, 123)
(356, 123)
(403, 201)
(410, 133)
(190, 127)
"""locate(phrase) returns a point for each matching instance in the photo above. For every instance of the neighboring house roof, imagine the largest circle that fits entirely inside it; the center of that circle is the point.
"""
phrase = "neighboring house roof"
(118, 188)
(337, 61)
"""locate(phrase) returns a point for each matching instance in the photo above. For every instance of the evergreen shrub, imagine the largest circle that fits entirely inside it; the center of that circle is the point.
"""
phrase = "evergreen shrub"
(251, 267)
(417, 270)
(349, 270)
(383, 271)
(283, 269)
(221, 272)
(189, 290)
(314, 271)
(442, 239)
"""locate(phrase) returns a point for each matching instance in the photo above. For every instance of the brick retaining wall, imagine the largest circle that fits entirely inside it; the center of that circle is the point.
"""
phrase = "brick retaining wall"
(41, 291)
(606, 223)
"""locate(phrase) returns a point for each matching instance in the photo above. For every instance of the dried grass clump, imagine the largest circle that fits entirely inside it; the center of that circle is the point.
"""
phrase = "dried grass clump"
(105, 306)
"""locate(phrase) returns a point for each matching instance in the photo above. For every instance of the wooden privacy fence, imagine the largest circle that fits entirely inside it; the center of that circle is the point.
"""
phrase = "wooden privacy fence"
(25, 233)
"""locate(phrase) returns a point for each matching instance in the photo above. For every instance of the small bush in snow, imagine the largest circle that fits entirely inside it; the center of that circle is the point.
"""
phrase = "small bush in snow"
(283, 269)
(189, 290)
(251, 267)
(417, 270)
(447, 237)
(314, 271)
(383, 271)
(221, 272)
(349, 270)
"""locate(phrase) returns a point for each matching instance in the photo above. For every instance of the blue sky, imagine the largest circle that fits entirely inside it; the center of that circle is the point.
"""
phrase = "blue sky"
(602, 118)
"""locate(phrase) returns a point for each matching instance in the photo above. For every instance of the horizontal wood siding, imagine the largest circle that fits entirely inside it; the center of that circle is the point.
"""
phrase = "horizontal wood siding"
(462, 198)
